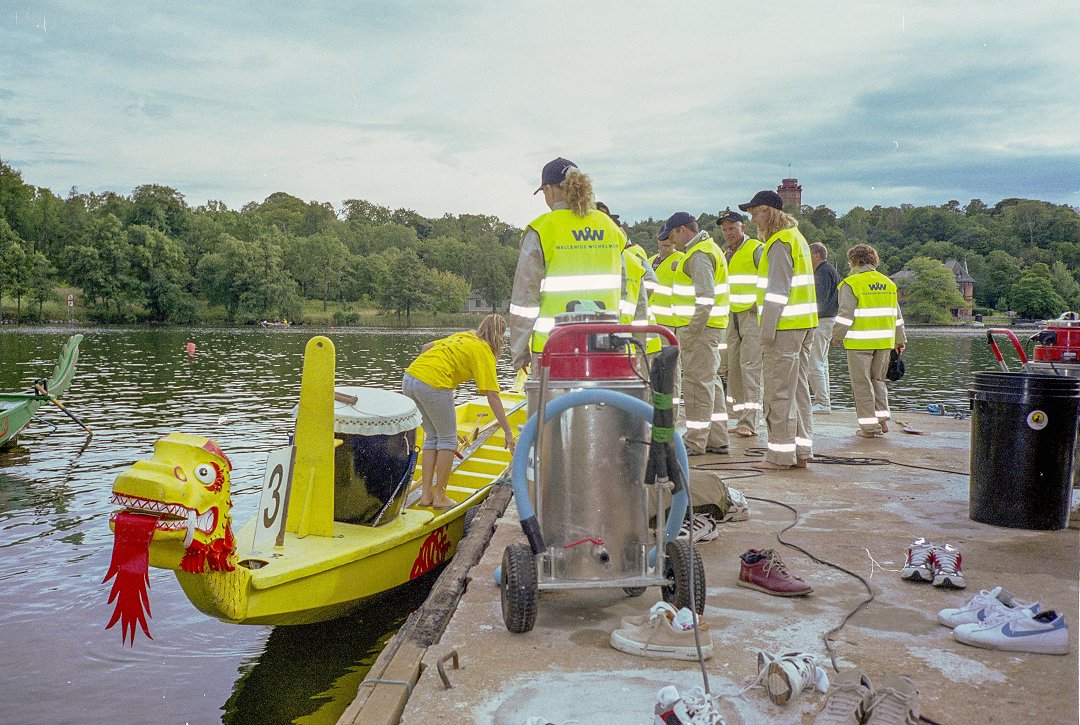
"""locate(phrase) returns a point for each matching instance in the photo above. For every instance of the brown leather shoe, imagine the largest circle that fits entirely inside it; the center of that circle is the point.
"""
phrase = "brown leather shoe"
(744, 432)
(764, 571)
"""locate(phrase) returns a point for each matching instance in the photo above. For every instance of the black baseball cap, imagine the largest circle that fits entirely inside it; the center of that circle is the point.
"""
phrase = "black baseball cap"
(554, 172)
(604, 208)
(731, 216)
(674, 221)
(764, 198)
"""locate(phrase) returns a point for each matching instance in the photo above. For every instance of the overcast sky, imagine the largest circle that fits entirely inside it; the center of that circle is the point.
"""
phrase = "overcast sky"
(453, 107)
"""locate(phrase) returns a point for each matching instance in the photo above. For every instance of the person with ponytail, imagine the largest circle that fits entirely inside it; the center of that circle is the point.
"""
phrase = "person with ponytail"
(788, 320)
(431, 380)
(569, 256)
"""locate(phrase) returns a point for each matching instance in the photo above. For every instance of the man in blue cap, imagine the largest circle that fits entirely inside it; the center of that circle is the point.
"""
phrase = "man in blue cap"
(699, 304)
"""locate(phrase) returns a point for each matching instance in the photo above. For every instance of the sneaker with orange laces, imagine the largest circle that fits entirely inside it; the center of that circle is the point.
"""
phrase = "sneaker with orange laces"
(765, 571)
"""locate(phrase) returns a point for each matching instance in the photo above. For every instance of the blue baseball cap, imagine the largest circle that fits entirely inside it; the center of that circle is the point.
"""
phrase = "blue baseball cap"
(554, 172)
(674, 221)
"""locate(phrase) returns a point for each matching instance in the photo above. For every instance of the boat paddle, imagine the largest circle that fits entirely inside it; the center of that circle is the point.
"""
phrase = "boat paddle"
(40, 389)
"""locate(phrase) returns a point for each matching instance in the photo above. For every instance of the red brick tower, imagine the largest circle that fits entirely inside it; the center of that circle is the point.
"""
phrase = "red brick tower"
(791, 192)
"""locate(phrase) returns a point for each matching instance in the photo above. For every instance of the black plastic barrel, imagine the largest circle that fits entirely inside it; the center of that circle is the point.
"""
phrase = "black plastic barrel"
(1024, 451)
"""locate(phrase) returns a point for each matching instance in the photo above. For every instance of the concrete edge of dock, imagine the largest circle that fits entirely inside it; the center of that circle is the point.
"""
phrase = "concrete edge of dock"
(382, 696)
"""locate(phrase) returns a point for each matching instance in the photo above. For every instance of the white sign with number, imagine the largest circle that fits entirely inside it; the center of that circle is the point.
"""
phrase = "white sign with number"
(274, 500)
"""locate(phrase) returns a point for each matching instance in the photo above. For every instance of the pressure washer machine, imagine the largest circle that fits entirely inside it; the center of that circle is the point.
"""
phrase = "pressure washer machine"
(607, 445)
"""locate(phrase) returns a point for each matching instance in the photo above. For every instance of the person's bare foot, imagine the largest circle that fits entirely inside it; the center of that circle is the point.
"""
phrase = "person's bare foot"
(443, 503)
(884, 427)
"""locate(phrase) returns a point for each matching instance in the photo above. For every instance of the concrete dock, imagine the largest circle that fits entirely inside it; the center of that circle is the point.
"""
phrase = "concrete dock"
(858, 516)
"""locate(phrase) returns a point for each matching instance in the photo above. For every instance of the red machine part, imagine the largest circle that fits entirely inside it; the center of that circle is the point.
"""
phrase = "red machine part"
(1060, 341)
(594, 350)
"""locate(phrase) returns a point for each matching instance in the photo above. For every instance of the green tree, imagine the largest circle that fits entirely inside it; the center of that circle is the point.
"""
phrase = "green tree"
(1065, 284)
(319, 261)
(40, 280)
(448, 292)
(404, 282)
(160, 265)
(930, 293)
(15, 196)
(1034, 296)
(12, 260)
(248, 279)
(1002, 272)
(159, 207)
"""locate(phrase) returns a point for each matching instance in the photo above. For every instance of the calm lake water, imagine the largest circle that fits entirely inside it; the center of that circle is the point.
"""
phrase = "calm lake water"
(131, 388)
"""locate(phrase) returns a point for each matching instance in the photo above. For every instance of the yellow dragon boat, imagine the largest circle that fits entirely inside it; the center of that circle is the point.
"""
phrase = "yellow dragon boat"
(335, 525)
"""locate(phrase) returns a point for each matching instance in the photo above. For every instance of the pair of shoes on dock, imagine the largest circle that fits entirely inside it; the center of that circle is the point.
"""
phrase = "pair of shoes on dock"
(930, 562)
(996, 619)
(853, 700)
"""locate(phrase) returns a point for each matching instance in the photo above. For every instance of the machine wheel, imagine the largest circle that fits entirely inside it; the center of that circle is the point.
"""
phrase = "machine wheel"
(634, 591)
(519, 588)
(677, 569)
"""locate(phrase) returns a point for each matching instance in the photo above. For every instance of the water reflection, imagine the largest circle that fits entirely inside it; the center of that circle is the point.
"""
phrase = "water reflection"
(134, 386)
(310, 674)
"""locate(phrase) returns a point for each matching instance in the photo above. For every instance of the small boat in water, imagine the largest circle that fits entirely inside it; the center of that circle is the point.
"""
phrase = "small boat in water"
(18, 409)
(335, 525)
(275, 324)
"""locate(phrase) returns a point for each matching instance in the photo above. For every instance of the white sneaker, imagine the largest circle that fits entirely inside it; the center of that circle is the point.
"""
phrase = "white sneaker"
(947, 568)
(920, 561)
(661, 608)
(660, 638)
(789, 674)
(1041, 633)
(983, 605)
(738, 509)
(693, 708)
(703, 527)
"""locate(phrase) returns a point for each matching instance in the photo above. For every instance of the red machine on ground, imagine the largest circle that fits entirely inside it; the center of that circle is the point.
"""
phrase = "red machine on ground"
(1057, 348)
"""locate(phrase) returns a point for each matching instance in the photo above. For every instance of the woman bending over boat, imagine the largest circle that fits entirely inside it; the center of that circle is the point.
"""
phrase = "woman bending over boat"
(431, 380)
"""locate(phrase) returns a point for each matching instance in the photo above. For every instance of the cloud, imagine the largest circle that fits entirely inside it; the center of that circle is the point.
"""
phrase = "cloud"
(455, 107)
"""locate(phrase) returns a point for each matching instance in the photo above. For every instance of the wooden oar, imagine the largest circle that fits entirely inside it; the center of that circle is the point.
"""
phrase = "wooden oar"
(56, 401)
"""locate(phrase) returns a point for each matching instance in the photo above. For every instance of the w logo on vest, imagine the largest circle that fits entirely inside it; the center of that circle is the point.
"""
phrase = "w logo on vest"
(878, 287)
(588, 234)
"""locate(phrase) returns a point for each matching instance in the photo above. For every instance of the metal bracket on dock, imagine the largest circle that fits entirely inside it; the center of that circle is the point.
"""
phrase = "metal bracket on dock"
(379, 681)
(453, 655)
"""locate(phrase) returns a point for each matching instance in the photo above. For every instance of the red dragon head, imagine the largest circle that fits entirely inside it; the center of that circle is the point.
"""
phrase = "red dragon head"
(174, 515)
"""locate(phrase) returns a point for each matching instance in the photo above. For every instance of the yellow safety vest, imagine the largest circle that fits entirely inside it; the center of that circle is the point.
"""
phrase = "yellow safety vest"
(639, 251)
(799, 306)
(876, 320)
(683, 298)
(583, 261)
(660, 297)
(635, 275)
(743, 276)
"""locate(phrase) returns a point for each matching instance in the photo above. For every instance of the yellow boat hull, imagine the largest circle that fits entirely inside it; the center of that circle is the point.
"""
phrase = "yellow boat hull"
(314, 578)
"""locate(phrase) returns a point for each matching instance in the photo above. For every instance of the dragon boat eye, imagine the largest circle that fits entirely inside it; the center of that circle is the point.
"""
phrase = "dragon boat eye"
(206, 473)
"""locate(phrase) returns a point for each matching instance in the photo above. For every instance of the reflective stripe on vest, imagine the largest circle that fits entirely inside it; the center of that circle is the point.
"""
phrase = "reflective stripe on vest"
(583, 261)
(799, 311)
(743, 276)
(874, 326)
(683, 297)
(660, 298)
(635, 274)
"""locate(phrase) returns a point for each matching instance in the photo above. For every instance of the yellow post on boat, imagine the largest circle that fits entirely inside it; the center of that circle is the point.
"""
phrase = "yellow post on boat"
(312, 509)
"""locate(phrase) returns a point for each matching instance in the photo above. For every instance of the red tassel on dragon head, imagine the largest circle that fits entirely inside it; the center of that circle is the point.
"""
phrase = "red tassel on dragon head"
(174, 514)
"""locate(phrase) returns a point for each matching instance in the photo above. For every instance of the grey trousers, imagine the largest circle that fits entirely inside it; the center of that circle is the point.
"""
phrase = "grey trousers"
(786, 363)
(744, 368)
(702, 391)
(819, 362)
(867, 370)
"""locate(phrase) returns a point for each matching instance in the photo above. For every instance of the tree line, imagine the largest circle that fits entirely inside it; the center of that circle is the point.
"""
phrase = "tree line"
(151, 257)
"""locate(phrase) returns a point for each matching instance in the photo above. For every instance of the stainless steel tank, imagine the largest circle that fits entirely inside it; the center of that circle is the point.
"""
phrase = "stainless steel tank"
(591, 498)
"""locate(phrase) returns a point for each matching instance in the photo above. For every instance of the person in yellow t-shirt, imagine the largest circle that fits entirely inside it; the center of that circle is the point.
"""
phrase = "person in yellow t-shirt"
(431, 380)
